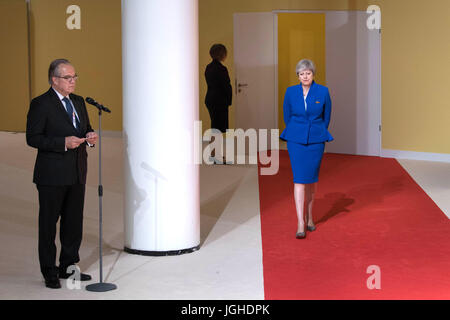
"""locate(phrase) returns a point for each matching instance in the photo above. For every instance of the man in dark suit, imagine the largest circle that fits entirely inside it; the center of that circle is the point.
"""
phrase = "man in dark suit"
(58, 126)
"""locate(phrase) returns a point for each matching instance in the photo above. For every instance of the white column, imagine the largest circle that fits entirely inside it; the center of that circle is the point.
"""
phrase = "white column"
(160, 107)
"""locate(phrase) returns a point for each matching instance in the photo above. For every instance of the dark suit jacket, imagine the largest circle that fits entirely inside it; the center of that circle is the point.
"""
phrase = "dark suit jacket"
(310, 125)
(47, 126)
(219, 92)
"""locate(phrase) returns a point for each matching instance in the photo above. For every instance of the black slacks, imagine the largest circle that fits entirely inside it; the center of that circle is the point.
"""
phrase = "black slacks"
(219, 117)
(66, 202)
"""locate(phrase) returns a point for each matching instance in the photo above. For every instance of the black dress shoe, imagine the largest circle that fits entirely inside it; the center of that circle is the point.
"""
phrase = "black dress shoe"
(220, 161)
(64, 275)
(311, 228)
(83, 276)
(52, 282)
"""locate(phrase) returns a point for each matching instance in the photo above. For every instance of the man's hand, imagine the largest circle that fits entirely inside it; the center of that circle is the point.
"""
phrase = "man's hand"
(91, 137)
(73, 142)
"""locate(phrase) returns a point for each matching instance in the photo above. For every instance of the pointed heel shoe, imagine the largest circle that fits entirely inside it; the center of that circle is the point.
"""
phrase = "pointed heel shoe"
(300, 235)
(310, 228)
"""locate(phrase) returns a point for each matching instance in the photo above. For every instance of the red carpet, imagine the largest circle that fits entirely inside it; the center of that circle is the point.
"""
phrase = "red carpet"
(368, 211)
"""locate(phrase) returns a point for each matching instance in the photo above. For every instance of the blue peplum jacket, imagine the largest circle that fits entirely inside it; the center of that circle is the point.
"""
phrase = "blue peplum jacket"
(310, 125)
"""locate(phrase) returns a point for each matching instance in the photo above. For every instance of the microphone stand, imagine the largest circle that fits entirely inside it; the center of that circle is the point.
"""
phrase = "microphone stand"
(100, 286)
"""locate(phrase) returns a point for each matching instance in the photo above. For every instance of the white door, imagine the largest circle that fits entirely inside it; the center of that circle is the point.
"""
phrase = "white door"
(353, 74)
(255, 71)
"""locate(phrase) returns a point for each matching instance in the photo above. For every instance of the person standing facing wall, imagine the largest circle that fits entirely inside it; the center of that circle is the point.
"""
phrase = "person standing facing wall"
(219, 94)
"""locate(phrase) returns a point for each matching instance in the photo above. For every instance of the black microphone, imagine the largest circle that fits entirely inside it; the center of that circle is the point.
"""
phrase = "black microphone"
(96, 104)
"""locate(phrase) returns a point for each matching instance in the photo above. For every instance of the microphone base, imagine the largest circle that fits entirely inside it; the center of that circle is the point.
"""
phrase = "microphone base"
(101, 287)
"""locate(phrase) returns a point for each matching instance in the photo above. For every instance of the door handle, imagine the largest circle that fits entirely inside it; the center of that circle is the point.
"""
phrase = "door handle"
(241, 85)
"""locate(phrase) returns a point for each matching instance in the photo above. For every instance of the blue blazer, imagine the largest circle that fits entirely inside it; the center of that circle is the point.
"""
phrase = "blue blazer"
(310, 126)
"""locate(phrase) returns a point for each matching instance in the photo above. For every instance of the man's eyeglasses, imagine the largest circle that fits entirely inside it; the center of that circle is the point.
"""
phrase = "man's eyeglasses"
(69, 78)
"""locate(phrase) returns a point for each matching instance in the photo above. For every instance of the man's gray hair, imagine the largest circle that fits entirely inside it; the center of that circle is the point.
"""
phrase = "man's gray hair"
(53, 70)
(305, 64)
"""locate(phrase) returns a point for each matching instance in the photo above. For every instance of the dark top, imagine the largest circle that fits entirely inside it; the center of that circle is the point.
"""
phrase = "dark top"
(219, 87)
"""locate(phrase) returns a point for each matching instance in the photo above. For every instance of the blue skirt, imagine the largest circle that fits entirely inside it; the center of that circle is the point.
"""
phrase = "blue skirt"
(305, 161)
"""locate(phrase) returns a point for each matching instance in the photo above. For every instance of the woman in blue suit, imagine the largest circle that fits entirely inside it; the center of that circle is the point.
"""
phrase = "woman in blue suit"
(307, 111)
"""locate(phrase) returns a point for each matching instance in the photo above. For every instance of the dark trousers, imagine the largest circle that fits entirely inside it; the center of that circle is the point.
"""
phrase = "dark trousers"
(219, 117)
(66, 202)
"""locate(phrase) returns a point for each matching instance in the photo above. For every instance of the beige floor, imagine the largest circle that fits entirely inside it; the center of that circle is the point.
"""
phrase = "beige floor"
(228, 265)
(433, 178)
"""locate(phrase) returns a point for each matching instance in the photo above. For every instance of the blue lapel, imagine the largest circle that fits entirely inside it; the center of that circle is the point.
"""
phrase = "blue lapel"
(302, 101)
(310, 98)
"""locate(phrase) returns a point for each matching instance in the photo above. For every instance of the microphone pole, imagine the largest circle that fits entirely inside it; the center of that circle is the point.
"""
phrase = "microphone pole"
(100, 286)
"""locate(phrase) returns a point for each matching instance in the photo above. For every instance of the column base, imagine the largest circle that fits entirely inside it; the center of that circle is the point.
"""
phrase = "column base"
(161, 253)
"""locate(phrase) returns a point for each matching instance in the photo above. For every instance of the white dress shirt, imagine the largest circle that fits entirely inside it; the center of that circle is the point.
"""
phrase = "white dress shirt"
(61, 97)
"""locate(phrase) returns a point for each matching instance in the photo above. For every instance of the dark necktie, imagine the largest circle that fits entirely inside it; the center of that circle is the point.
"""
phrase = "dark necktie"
(70, 112)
